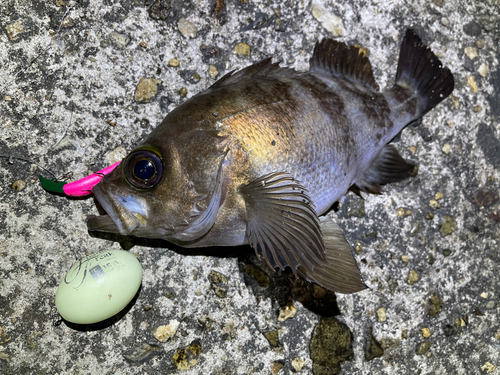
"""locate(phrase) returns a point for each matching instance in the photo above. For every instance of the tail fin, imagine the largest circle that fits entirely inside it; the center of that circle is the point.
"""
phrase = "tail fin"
(421, 70)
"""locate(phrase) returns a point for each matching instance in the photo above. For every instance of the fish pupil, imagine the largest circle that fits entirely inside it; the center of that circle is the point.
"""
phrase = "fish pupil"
(144, 170)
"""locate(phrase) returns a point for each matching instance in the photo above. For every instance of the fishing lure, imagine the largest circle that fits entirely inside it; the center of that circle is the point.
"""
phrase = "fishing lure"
(79, 188)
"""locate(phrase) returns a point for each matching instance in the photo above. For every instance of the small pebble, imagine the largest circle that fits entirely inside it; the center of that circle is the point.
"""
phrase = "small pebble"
(446, 252)
(142, 352)
(426, 332)
(19, 185)
(472, 29)
(490, 305)
(445, 21)
(276, 367)
(164, 333)
(414, 228)
(434, 203)
(272, 337)
(187, 28)
(146, 89)
(434, 304)
(382, 317)
(423, 347)
(484, 197)
(191, 76)
(119, 40)
(448, 330)
(14, 29)
(412, 277)
(287, 311)
(484, 295)
(471, 52)
(355, 208)
(430, 259)
(183, 92)
(218, 282)
(242, 49)
(358, 247)
(429, 216)
(298, 363)
(373, 347)
(173, 62)
(480, 43)
(212, 71)
(187, 357)
(68, 22)
(329, 21)
(477, 108)
(471, 82)
(449, 226)
(405, 258)
(488, 367)
(438, 196)
(446, 148)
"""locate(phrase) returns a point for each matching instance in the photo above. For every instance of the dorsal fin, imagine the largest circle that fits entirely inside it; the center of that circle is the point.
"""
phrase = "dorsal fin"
(342, 61)
(263, 68)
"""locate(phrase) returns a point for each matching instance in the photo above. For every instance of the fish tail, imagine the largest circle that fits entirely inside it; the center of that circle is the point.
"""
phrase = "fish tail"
(420, 70)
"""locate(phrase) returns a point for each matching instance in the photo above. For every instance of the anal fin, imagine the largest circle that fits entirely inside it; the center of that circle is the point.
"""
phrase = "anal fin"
(340, 272)
(388, 167)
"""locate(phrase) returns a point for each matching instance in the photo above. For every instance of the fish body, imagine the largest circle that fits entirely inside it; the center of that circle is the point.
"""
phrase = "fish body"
(260, 155)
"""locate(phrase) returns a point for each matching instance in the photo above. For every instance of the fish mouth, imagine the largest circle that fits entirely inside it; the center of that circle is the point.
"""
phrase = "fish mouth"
(119, 216)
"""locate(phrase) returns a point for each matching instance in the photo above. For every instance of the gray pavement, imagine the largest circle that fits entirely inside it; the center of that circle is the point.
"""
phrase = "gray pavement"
(428, 247)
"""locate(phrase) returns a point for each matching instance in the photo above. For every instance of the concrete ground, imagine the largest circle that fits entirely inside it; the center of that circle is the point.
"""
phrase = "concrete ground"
(428, 248)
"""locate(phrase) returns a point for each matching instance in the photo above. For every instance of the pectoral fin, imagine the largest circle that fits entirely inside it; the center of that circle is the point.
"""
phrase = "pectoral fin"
(282, 227)
(340, 272)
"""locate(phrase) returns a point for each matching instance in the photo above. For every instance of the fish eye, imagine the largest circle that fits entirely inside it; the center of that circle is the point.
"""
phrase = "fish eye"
(143, 169)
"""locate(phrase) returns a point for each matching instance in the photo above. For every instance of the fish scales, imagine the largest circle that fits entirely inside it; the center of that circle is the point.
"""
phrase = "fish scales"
(312, 127)
(260, 155)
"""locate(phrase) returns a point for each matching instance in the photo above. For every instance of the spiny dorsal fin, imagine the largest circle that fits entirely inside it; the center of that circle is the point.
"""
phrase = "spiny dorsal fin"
(342, 61)
(264, 68)
(282, 225)
(388, 167)
(340, 272)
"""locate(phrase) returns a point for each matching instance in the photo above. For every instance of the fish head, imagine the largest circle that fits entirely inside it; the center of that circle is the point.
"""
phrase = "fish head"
(170, 189)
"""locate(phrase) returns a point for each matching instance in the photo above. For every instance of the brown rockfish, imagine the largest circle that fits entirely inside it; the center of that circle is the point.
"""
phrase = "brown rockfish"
(260, 155)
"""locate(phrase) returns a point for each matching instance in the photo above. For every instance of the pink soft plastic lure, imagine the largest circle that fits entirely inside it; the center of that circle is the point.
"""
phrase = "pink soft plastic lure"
(79, 188)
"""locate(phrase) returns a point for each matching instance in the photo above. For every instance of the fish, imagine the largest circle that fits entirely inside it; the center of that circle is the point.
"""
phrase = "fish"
(261, 156)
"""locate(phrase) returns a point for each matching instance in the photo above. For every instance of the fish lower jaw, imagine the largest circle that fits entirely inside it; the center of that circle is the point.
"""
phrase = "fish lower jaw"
(104, 223)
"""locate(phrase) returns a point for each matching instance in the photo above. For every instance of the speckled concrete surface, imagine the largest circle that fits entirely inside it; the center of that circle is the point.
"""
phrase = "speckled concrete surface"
(68, 78)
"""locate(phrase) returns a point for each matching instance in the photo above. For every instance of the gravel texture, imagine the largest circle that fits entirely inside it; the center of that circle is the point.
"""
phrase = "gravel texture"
(428, 247)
